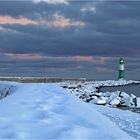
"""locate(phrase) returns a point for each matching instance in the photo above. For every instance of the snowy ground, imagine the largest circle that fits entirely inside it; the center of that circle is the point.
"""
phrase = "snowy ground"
(126, 120)
(47, 111)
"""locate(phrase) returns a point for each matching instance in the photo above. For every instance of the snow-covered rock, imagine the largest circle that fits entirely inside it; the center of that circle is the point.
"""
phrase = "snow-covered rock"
(106, 94)
(89, 92)
(101, 102)
(133, 100)
(115, 102)
(124, 95)
(138, 102)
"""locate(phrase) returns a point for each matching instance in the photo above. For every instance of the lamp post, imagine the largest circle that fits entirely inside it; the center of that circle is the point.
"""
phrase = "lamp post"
(121, 69)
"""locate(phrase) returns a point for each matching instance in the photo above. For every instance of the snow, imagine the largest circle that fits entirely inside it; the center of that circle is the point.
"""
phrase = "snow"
(47, 111)
(126, 120)
(138, 102)
(115, 101)
(101, 102)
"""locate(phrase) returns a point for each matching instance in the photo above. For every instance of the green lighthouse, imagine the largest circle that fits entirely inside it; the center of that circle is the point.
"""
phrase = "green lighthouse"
(121, 69)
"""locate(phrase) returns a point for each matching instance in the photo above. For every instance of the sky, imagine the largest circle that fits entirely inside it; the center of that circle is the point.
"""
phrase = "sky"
(69, 39)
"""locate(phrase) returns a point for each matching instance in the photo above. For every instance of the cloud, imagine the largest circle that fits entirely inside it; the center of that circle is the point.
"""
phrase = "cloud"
(1, 28)
(88, 9)
(11, 20)
(95, 59)
(75, 39)
(58, 21)
(30, 56)
(52, 1)
(82, 58)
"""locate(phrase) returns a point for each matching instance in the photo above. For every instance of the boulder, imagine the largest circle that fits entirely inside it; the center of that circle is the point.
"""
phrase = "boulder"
(101, 102)
(133, 100)
(115, 102)
(124, 95)
(106, 94)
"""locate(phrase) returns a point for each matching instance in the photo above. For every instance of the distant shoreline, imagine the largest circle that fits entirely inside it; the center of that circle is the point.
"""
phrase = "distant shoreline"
(39, 79)
(45, 79)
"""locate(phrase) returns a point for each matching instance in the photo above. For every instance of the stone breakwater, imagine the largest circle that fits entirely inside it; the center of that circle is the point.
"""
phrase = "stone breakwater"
(89, 92)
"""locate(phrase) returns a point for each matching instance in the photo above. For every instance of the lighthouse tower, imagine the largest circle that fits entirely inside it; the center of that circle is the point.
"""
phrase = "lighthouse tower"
(121, 69)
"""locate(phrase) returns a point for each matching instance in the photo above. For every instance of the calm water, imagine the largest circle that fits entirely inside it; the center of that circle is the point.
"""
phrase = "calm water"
(130, 89)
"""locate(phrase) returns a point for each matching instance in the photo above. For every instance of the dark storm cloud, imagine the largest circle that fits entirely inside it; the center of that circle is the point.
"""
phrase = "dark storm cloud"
(52, 67)
(111, 29)
(112, 26)
(69, 41)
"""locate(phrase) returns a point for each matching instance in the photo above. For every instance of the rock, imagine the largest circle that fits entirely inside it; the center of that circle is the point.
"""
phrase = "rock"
(94, 97)
(124, 95)
(101, 102)
(94, 101)
(133, 100)
(113, 96)
(73, 86)
(133, 96)
(115, 102)
(106, 94)
(98, 94)
(138, 102)
(105, 99)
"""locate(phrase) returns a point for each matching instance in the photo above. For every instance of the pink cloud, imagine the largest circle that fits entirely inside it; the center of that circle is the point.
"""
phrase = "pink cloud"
(29, 56)
(74, 58)
(82, 58)
(58, 21)
(79, 58)
(11, 20)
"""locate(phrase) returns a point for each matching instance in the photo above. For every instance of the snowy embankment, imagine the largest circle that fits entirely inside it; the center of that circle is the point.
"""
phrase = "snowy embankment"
(89, 92)
(47, 111)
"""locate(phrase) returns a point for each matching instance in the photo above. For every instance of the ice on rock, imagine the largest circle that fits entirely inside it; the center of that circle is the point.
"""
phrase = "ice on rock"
(115, 102)
(106, 94)
(94, 97)
(98, 94)
(133, 100)
(133, 96)
(94, 100)
(124, 95)
(113, 96)
(105, 99)
(101, 102)
(72, 86)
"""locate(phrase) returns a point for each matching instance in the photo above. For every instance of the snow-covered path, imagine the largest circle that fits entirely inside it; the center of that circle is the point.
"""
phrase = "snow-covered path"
(46, 111)
(126, 120)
